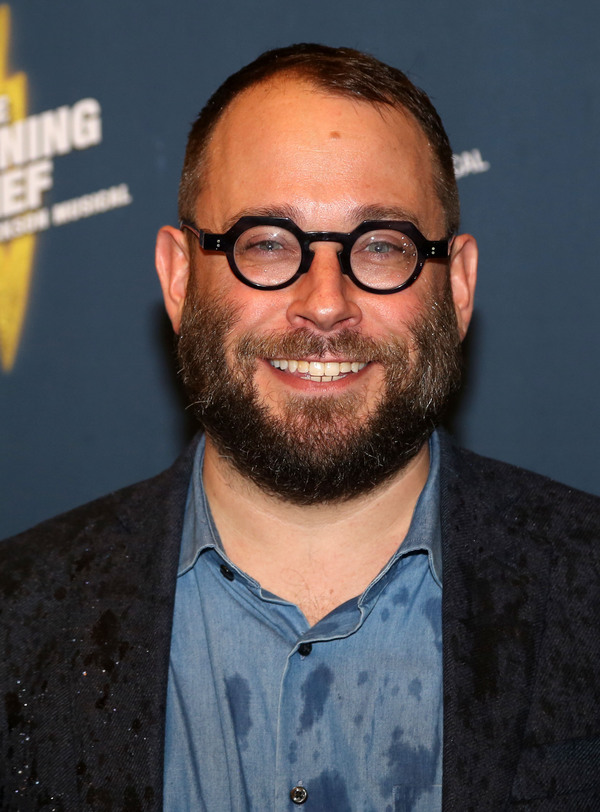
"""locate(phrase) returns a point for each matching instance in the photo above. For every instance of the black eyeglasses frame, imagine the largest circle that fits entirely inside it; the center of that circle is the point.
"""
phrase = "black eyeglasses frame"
(426, 249)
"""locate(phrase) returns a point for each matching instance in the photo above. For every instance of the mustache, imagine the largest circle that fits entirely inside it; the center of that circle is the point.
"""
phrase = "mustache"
(303, 342)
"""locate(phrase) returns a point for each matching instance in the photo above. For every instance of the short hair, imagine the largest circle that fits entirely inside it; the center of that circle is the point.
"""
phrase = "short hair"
(342, 72)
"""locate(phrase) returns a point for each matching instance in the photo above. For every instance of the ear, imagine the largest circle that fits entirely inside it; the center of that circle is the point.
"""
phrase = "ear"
(173, 267)
(463, 277)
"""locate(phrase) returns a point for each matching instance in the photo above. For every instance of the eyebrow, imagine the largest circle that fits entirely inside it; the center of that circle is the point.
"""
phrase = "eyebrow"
(358, 214)
(286, 211)
(378, 212)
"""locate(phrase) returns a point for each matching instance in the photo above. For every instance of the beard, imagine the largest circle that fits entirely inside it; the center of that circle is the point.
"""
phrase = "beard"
(320, 449)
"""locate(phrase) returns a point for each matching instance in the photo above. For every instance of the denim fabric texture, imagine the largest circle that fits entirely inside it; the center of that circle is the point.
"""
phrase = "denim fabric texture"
(259, 702)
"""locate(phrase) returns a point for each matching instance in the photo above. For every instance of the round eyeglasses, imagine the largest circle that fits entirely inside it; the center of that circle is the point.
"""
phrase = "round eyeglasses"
(270, 253)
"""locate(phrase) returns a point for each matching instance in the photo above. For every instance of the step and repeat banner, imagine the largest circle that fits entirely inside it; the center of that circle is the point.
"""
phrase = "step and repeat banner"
(95, 103)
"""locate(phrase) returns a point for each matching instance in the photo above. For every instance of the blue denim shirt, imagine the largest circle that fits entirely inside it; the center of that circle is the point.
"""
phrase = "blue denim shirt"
(348, 712)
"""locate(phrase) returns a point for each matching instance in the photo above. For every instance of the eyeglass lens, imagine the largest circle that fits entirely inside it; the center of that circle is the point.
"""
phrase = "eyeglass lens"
(271, 255)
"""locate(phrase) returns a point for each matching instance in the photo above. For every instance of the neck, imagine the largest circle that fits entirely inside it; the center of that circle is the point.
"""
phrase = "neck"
(315, 556)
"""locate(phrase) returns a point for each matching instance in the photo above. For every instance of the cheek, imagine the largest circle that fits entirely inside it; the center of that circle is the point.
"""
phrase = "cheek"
(258, 311)
(211, 277)
(258, 314)
(392, 315)
(213, 281)
(422, 298)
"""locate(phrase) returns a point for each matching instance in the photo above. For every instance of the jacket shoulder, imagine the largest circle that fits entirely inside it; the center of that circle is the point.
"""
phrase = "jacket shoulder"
(491, 491)
(63, 542)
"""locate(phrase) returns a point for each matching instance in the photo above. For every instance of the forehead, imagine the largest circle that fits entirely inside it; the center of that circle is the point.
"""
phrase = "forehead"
(287, 143)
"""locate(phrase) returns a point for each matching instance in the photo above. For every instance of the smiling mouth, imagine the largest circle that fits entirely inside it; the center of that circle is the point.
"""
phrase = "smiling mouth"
(318, 371)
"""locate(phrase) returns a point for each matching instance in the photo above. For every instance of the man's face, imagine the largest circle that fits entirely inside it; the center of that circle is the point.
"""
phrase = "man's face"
(286, 149)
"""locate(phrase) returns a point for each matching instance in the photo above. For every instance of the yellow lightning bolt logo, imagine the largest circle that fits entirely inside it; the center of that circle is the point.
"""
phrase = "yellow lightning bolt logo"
(16, 256)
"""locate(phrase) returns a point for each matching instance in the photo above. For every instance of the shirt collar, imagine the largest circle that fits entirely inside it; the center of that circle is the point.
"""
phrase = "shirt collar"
(199, 531)
(424, 534)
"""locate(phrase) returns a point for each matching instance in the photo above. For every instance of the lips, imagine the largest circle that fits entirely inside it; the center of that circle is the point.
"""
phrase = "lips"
(318, 371)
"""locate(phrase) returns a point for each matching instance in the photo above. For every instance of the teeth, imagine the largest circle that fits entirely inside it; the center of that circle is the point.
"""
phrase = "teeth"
(322, 371)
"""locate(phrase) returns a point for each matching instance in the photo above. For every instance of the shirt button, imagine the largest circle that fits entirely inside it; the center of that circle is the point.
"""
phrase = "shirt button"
(304, 650)
(226, 573)
(298, 795)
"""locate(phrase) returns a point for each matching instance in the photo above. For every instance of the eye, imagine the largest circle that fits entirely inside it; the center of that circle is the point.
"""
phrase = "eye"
(384, 247)
(266, 243)
(269, 246)
(267, 254)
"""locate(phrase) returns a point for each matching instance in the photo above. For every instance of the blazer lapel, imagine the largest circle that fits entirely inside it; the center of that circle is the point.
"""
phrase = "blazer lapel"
(495, 574)
(122, 616)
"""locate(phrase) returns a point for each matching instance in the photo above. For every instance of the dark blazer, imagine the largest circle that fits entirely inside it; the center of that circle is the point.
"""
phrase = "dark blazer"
(86, 621)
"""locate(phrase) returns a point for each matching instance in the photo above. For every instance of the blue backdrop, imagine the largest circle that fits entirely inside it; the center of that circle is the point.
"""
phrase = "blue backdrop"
(88, 396)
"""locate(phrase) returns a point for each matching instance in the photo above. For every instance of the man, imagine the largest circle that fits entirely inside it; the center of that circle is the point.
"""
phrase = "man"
(264, 626)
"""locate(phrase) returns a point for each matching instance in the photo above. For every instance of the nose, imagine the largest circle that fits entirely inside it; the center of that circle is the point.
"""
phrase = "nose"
(324, 298)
